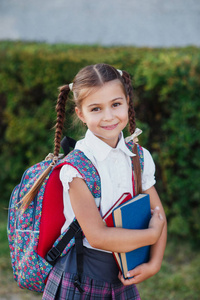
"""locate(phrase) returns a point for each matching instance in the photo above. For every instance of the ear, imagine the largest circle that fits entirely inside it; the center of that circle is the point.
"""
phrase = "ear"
(80, 114)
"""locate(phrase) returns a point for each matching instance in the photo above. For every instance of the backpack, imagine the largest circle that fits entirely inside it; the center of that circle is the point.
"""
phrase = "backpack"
(34, 236)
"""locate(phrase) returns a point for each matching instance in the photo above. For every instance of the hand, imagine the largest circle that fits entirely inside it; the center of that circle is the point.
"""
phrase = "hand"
(156, 223)
(140, 273)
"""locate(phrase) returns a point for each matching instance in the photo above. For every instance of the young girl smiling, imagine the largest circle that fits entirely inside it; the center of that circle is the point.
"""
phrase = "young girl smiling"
(103, 99)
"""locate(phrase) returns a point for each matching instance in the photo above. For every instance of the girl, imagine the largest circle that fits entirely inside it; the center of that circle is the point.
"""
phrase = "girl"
(103, 101)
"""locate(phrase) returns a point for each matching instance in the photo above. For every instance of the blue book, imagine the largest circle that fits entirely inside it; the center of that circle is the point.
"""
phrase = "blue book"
(133, 214)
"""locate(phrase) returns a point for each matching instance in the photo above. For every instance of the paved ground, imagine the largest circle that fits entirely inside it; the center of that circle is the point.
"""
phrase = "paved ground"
(9, 289)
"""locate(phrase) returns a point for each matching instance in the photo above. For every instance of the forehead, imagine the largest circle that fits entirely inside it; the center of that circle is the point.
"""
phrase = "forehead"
(107, 92)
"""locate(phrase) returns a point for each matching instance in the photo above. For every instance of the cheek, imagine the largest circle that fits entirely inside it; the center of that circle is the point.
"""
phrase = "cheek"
(125, 119)
(124, 115)
(92, 120)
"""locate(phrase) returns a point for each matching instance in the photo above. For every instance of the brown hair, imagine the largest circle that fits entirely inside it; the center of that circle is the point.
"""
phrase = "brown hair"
(85, 82)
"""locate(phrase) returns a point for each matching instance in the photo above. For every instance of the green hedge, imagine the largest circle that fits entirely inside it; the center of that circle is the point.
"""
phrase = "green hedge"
(166, 83)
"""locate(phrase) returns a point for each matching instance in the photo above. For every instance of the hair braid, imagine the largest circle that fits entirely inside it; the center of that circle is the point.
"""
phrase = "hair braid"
(131, 115)
(60, 109)
(131, 111)
(132, 126)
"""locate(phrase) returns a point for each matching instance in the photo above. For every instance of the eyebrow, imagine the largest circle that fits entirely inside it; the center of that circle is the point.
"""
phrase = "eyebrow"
(113, 100)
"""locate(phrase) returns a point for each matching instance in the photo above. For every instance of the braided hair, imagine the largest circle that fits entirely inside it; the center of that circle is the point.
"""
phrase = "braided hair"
(132, 126)
(60, 109)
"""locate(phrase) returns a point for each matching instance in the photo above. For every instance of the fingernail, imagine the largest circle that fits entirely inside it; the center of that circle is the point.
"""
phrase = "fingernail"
(161, 217)
(157, 207)
(128, 274)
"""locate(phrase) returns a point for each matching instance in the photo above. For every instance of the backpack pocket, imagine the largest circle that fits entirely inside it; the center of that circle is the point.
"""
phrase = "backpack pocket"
(30, 270)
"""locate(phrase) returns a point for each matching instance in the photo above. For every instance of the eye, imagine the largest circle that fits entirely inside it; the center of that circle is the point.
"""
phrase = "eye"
(116, 104)
(95, 109)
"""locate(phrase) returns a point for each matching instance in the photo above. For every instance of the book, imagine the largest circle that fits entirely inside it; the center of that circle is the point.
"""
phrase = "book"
(133, 214)
(108, 218)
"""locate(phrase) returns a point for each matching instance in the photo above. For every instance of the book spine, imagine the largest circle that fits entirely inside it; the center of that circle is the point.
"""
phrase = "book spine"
(122, 256)
(117, 218)
(123, 264)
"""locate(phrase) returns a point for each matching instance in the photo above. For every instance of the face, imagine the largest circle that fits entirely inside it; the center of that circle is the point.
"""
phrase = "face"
(105, 112)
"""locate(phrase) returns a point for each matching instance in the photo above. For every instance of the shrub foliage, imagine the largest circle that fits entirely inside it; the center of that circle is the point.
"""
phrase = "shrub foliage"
(166, 84)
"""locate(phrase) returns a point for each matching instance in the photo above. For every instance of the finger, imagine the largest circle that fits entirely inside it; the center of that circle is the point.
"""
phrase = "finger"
(127, 281)
(121, 278)
(136, 279)
(157, 209)
(134, 272)
(119, 275)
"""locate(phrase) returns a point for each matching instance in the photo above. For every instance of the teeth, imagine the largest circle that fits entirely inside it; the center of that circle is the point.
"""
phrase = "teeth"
(109, 126)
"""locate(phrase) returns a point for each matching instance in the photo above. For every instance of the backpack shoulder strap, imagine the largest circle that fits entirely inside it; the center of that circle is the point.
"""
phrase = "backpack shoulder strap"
(87, 170)
(67, 143)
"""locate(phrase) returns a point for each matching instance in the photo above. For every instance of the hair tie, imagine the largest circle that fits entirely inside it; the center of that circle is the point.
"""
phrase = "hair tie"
(134, 136)
(71, 86)
(120, 72)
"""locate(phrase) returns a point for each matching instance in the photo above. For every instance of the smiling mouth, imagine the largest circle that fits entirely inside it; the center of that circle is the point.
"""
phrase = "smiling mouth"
(109, 127)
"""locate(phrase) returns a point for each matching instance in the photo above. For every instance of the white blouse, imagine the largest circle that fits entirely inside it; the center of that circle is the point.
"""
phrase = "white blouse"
(115, 171)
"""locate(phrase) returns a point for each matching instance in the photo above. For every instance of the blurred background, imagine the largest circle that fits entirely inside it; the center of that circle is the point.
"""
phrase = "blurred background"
(151, 23)
(44, 44)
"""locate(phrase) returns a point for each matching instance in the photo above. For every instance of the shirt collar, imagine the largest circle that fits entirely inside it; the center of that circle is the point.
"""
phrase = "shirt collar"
(100, 149)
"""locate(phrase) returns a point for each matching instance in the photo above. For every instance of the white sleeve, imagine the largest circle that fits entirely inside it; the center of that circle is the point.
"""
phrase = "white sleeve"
(67, 173)
(148, 175)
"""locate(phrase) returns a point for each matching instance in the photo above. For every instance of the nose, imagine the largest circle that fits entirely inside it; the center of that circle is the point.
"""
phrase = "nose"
(108, 114)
